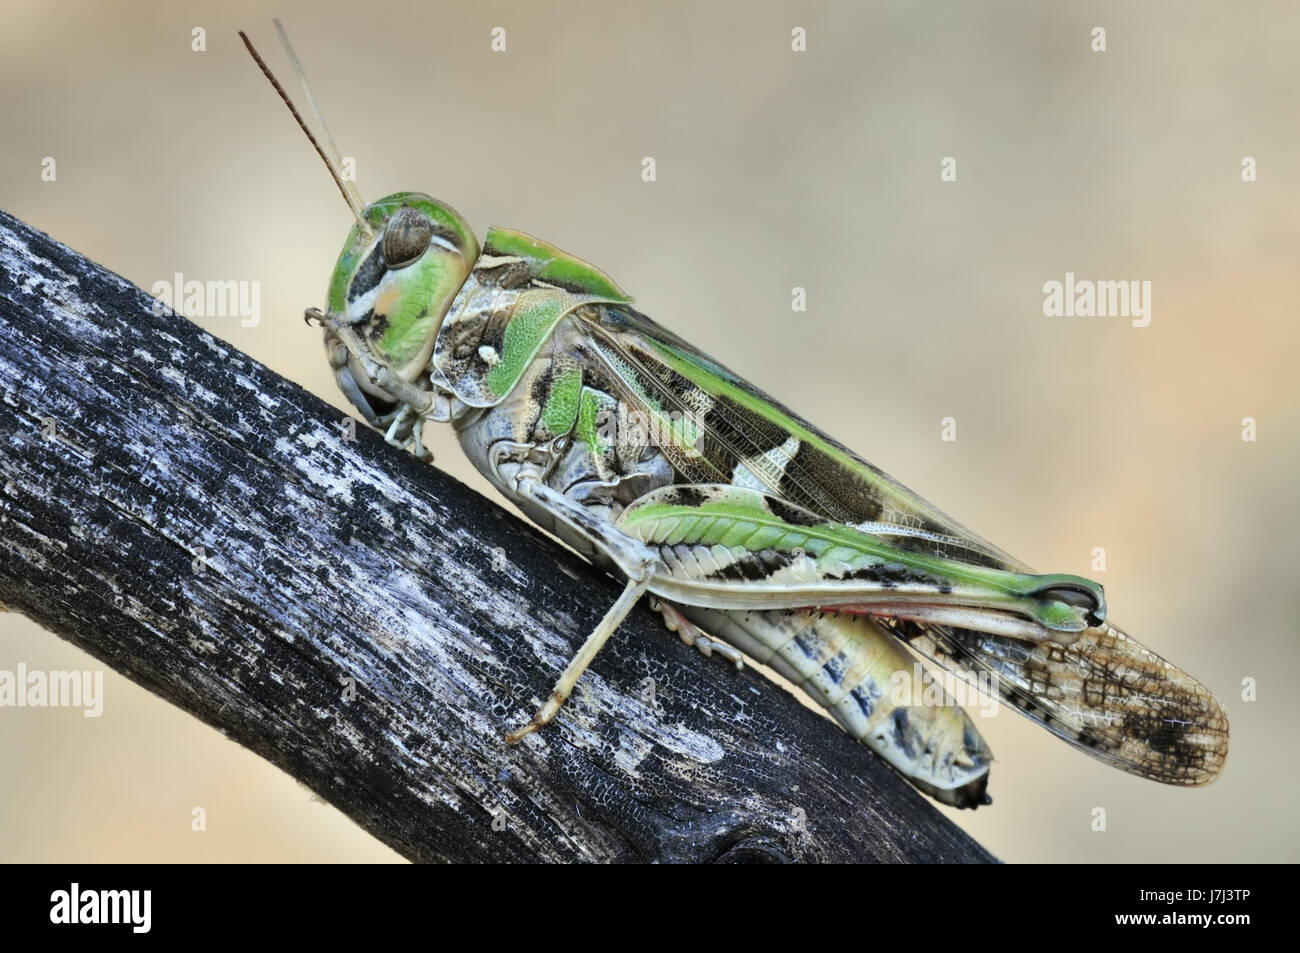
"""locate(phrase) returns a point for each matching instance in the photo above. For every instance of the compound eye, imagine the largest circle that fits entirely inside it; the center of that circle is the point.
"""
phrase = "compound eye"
(406, 237)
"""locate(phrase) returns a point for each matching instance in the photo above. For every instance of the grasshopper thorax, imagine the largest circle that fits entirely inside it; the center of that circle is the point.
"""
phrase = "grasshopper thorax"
(393, 288)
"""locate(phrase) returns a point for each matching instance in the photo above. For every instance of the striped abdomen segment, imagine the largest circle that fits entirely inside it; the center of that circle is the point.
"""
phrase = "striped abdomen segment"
(848, 664)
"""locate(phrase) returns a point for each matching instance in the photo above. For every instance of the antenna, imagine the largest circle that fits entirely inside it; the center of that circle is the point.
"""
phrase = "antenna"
(350, 194)
(316, 110)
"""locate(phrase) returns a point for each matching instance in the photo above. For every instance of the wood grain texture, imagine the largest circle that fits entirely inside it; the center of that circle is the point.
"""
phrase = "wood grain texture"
(202, 526)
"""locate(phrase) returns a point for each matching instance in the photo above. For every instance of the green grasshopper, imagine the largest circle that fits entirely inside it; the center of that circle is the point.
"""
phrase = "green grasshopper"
(738, 517)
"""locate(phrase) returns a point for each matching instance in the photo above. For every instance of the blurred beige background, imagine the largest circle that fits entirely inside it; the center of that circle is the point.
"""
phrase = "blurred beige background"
(775, 169)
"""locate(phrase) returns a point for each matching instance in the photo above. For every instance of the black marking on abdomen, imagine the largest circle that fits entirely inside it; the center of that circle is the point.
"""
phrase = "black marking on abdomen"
(808, 647)
(866, 704)
(902, 730)
(836, 667)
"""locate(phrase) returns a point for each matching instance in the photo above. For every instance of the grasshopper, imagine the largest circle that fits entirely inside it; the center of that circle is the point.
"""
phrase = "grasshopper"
(739, 518)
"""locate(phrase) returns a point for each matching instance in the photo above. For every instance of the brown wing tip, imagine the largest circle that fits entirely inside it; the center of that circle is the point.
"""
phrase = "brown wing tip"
(1189, 746)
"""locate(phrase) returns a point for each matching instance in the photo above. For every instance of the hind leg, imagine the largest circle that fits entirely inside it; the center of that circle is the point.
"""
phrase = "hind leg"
(691, 634)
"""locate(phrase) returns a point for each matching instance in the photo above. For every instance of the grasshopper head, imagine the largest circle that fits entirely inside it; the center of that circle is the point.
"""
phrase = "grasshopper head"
(393, 289)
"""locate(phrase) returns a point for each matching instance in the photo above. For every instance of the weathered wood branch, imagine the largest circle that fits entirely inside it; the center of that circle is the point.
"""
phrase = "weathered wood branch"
(202, 526)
